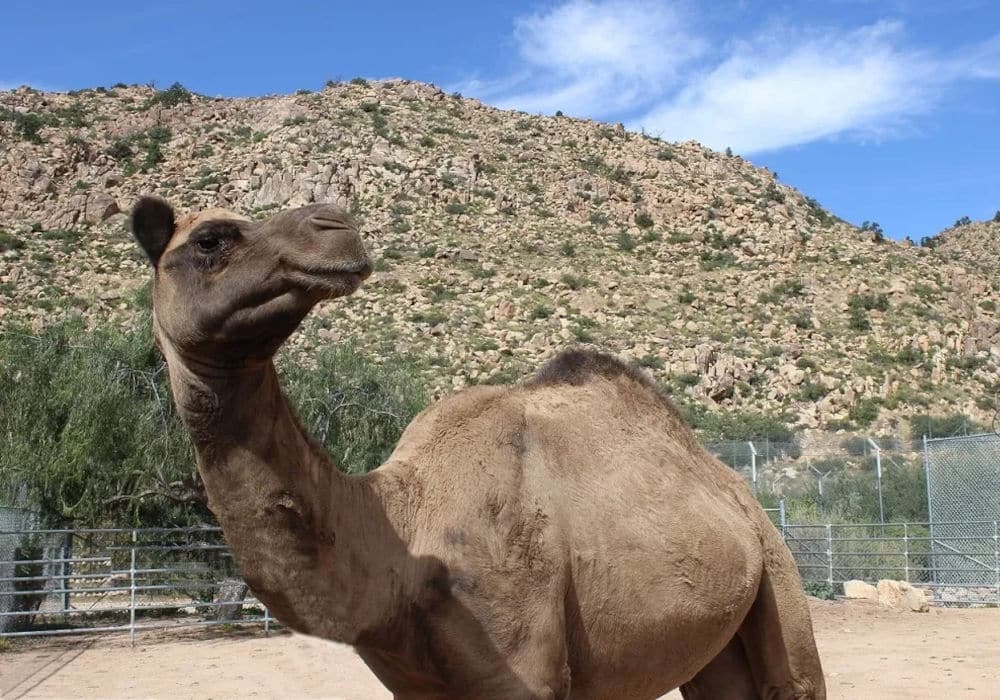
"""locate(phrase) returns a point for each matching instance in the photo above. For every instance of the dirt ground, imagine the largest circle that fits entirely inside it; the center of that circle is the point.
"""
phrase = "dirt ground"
(867, 653)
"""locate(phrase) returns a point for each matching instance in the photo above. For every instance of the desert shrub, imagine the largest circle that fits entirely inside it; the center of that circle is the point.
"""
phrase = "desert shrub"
(28, 125)
(120, 149)
(8, 241)
(944, 426)
(643, 220)
(541, 311)
(812, 391)
(864, 412)
(626, 241)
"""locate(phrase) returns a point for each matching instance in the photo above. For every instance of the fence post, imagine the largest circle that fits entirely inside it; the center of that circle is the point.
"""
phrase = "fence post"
(64, 577)
(829, 555)
(878, 482)
(782, 518)
(131, 578)
(930, 512)
(996, 557)
(753, 465)
(906, 553)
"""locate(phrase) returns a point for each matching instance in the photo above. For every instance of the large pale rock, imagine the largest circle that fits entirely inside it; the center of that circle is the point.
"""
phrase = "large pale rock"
(915, 599)
(900, 595)
(859, 590)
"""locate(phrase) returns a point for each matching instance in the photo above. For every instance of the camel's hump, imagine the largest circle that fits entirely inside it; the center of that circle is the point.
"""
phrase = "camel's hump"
(578, 365)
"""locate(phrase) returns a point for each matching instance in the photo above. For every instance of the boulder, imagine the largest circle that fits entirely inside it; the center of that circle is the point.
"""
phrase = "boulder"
(229, 599)
(900, 595)
(859, 590)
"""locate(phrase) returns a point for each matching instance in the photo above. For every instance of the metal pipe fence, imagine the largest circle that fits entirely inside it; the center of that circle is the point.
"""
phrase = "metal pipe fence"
(65, 582)
(968, 574)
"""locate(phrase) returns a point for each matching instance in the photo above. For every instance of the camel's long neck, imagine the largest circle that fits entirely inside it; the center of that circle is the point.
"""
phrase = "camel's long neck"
(295, 523)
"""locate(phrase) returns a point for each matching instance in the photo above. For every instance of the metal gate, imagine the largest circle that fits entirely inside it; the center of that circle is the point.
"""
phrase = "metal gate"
(963, 503)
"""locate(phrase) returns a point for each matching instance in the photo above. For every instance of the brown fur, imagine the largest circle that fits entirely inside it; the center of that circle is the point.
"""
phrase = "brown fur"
(565, 538)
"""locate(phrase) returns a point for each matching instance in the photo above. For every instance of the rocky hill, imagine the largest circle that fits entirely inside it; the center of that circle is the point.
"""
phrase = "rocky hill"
(501, 237)
(975, 244)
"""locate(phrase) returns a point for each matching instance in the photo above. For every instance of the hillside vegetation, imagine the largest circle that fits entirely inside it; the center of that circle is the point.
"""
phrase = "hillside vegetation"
(501, 237)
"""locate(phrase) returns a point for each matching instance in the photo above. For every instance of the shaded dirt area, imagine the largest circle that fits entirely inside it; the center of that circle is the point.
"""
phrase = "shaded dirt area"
(867, 653)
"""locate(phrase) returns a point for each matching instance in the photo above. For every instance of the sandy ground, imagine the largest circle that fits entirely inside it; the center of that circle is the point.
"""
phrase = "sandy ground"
(867, 653)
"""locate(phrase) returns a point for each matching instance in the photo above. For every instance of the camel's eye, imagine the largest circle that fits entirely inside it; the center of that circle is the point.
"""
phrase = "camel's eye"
(207, 244)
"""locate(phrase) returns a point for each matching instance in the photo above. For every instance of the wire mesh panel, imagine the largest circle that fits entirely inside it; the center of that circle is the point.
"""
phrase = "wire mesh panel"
(30, 565)
(963, 496)
(835, 553)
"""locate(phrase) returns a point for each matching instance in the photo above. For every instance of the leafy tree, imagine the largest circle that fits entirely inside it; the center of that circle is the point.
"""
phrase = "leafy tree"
(91, 436)
(875, 229)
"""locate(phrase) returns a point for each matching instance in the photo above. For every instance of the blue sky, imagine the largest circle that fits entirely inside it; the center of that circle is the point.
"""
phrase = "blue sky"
(884, 111)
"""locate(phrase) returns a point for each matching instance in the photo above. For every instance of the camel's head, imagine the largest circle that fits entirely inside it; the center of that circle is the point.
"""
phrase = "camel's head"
(228, 290)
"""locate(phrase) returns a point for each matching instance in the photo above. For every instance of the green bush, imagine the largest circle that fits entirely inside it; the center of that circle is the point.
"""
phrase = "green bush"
(944, 426)
(90, 432)
(864, 412)
(643, 220)
(626, 242)
(28, 125)
(541, 311)
(8, 241)
(744, 426)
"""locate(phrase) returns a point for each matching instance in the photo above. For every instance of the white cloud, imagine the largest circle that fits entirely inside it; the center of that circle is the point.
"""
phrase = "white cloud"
(596, 58)
(774, 94)
(649, 64)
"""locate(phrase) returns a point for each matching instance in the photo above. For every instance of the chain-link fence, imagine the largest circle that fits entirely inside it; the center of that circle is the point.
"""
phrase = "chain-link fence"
(963, 485)
(849, 477)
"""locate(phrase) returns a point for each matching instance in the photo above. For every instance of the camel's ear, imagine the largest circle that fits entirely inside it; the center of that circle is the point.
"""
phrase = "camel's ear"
(152, 226)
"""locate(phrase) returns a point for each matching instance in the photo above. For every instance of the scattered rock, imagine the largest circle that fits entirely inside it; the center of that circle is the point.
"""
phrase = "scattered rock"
(100, 207)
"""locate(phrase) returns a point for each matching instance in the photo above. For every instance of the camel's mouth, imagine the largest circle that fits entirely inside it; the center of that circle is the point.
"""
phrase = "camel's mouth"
(338, 280)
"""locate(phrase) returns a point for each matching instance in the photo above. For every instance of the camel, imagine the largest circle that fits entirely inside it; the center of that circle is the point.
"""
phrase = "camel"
(566, 537)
